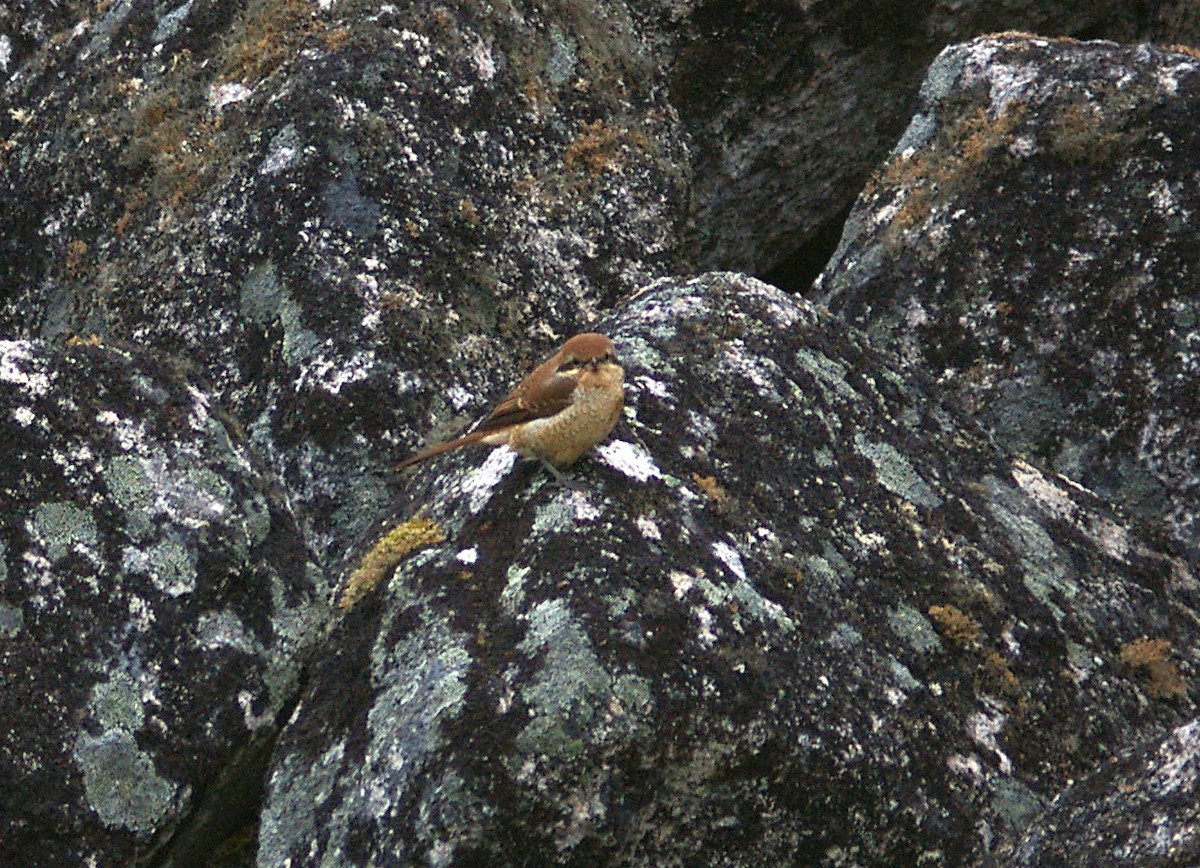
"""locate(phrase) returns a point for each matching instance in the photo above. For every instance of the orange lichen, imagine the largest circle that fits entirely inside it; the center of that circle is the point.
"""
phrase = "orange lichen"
(1150, 660)
(713, 489)
(957, 626)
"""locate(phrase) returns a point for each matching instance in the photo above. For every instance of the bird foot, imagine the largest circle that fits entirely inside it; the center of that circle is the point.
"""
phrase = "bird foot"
(561, 480)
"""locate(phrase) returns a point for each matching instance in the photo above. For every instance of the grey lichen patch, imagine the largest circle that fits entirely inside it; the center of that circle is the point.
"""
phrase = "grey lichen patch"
(1014, 802)
(62, 527)
(913, 627)
(896, 473)
(827, 372)
(224, 630)
(1043, 563)
(513, 594)
(265, 300)
(560, 67)
(291, 804)
(567, 510)
(199, 495)
(258, 519)
(295, 624)
(821, 572)
(172, 568)
(133, 492)
(564, 694)
(424, 683)
(121, 783)
(12, 619)
(903, 675)
(117, 703)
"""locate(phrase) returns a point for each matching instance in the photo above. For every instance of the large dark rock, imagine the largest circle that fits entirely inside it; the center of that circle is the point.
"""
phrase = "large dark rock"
(799, 615)
(156, 602)
(335, 214)
(1140, 809)
(791, 105)
(1031, 242)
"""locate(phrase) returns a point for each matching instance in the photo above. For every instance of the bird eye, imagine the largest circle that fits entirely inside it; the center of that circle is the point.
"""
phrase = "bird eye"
(568, 365)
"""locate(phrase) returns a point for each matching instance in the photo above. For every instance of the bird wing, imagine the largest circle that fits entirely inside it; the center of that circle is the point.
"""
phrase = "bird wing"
(524, 405)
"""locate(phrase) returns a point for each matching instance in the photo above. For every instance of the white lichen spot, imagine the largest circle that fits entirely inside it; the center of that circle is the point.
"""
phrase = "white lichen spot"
(984, 728)
(285, 148)
(1112, 538)
(332, 374)
(12, 354)
(648, 527)
(141, 614)
(127, 433)
(1048, 495)
(629, 459)
(729, 556)
(467, 556)
(23, 416)
(1023, 147)
(480, 484)
(681, 583)
(459, 397)
(705, 618)
(869, 540)
(227, 93)
(651, 386)
(5, 51)
(1008, 85)
(966, 766)
(254, 721)
(1180, 767)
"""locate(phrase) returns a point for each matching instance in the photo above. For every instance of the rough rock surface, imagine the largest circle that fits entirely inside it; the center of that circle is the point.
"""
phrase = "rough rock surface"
(803, 614)
(155, 604)
(1143, 809)
(336, 212)
(799, 615)
(791, 106)
(1031, 242)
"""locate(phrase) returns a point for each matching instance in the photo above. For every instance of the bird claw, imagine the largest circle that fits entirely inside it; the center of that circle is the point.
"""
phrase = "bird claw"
(562, 481)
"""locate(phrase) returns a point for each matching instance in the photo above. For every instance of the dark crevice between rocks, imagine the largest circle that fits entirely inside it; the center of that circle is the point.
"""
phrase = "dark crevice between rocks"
(796, 272)
(223, 830)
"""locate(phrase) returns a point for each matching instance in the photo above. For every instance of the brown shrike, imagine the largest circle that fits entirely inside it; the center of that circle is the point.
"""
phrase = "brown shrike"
(566, 406)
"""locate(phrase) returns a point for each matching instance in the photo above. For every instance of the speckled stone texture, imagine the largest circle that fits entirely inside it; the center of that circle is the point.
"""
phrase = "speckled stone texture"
(155, 604)
(253, 252)
(799, 611)
(1031, 243)
(358, 221)
(1143, 809)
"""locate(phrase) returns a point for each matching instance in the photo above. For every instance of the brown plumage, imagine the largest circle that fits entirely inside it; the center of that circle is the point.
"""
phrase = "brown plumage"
(566, 405)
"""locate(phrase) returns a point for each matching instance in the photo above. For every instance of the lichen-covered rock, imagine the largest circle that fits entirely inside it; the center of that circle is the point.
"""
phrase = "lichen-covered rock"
(334, 210)
(1031, 242)
(155, 601)
(1140, 809)
(798, 615)
(790, 107)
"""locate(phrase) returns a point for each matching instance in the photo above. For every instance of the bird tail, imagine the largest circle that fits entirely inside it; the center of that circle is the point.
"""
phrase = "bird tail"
(473, 437)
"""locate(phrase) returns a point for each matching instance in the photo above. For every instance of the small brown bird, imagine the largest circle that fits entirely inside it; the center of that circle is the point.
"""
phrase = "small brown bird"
(567, 405)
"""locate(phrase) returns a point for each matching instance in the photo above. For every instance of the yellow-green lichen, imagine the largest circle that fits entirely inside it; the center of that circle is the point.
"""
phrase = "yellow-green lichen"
(392, 547)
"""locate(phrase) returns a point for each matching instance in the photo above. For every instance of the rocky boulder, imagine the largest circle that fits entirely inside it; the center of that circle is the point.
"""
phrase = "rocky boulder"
(156, 607)
(800, 615)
